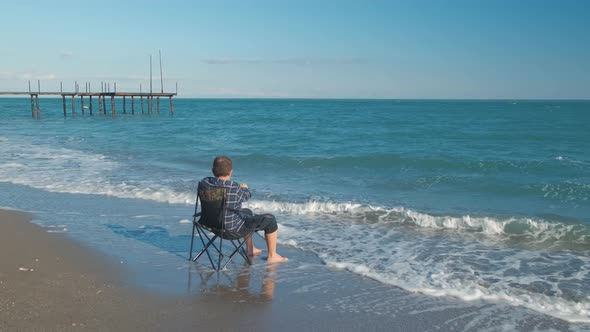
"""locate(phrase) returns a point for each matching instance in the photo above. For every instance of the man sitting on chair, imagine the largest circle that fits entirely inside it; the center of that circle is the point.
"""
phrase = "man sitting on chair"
(238, 219)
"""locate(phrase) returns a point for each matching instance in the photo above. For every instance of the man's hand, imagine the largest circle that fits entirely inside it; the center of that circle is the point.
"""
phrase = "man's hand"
(243, 185)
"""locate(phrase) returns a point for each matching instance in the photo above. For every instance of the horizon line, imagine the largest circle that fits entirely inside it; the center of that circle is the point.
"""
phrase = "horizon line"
(340, 98)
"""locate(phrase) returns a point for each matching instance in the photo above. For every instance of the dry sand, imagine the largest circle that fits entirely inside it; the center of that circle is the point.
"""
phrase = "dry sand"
(49, 283)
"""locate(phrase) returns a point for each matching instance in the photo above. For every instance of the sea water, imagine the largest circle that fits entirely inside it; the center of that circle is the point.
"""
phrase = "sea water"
(476, 200)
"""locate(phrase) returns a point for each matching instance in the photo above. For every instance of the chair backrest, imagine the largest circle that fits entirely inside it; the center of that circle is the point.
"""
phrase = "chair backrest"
(213, 208)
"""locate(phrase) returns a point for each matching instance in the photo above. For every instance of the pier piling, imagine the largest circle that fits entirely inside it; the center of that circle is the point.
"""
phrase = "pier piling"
(73, 105)
(102, 102)
(32, 106)
(38, 109)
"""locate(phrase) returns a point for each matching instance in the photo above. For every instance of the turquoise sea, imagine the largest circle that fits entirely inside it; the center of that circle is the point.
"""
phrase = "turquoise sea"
(476, 200)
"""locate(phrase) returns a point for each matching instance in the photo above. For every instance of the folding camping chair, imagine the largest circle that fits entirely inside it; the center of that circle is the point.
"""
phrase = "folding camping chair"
(211, 220)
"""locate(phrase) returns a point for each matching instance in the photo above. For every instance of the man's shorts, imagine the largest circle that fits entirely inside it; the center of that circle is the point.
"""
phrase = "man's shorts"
(257, 222)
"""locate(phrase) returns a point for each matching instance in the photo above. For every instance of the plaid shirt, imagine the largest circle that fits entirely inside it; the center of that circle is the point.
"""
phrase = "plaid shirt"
(235, 196)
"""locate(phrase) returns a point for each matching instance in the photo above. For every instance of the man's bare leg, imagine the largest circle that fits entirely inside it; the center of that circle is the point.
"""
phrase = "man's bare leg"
(271, 243)
(250, 248)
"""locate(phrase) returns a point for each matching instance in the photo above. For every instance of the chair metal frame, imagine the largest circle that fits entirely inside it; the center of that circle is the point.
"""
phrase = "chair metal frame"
(220, 234)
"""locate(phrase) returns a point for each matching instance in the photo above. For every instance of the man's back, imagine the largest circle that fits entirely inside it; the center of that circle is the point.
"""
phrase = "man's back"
(235, 196)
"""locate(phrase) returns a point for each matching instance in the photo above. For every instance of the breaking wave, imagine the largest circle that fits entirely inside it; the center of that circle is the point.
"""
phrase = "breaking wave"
(535, 230)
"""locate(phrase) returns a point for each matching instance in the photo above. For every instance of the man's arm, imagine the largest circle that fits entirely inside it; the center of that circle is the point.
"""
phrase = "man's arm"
(244, 193)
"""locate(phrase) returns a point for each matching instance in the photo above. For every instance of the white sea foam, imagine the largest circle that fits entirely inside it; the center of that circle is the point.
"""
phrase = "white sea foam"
(441, 284)
(466, 268)
(58, 169)
(363, 238)
(310, 207)
(11, 209)
(537, 230)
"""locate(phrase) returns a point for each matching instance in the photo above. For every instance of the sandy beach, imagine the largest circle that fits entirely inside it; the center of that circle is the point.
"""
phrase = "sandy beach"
(49, 282)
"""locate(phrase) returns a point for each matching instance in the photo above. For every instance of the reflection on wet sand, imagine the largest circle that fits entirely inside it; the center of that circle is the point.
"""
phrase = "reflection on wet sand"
(235, 286)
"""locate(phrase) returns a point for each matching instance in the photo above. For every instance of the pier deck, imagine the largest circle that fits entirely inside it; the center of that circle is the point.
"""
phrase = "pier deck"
(36, 111)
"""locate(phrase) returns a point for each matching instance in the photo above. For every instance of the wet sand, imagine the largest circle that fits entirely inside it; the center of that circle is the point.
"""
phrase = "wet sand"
(49, 282)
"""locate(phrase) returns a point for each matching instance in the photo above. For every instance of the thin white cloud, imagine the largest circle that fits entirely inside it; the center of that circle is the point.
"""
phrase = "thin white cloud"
(240, 93)
(26, 76)
(121, 78)
(66, 54)
(305, 61)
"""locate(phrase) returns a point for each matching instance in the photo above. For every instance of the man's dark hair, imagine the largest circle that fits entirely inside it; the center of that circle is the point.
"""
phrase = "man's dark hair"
(222, 166)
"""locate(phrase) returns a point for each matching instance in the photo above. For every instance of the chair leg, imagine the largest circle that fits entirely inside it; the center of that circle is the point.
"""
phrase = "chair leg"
(190, 255)
(241, 250)
(205, 247)
(220, 254)
(238, 250)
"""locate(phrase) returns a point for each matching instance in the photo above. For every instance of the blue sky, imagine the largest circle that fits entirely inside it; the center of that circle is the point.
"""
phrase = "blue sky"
(517, 49)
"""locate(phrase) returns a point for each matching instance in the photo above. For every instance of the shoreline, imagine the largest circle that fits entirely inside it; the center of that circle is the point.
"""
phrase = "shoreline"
(50, 282)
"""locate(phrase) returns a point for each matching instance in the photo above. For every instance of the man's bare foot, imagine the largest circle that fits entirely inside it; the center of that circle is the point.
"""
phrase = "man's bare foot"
(255, 252)
(276, 258)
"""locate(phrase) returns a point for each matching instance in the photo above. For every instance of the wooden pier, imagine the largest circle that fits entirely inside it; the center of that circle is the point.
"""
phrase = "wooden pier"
(102, 97)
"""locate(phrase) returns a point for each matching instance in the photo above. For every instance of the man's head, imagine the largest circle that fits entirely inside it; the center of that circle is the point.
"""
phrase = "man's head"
(222, 166)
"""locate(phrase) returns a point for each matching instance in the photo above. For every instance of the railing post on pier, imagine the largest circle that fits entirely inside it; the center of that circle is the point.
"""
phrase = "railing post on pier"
(63, 100)
(73, 105)
(171, 106)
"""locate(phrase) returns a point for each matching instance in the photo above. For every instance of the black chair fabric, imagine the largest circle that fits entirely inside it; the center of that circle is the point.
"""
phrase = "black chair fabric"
(211, 219)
